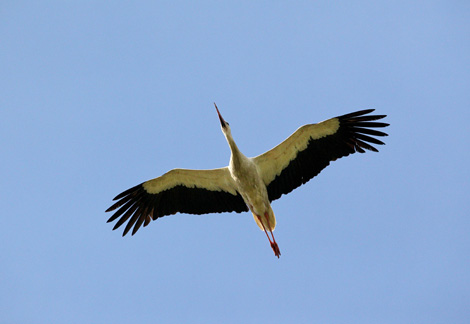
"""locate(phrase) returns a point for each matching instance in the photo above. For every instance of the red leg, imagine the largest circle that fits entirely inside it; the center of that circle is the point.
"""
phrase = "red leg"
(273, 243)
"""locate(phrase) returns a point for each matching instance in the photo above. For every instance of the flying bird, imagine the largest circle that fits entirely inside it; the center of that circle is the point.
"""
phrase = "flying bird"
(249, 183)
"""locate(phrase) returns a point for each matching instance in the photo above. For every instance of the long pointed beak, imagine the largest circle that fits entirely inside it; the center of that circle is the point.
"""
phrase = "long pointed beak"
(222, 121)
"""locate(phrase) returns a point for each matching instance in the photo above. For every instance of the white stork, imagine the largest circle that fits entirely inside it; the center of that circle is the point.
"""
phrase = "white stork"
(249, 183)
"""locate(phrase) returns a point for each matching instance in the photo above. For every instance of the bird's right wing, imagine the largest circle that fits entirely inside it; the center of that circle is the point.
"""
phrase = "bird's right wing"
(312, 147)
(179, 190)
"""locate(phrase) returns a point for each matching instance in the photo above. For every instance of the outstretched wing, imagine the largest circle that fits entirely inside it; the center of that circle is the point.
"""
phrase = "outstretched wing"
(179, 190)
(311, 148)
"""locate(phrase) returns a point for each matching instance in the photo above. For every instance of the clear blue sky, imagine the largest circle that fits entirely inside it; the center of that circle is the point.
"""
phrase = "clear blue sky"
(96, 97)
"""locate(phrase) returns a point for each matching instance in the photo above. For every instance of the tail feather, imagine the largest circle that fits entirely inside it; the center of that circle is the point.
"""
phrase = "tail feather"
(270, 225)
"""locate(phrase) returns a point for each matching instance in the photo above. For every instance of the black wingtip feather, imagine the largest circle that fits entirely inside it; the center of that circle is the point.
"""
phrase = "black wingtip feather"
(137, 225)
(356, 114)
(113, 207)
(131, 222)
(369, 139)
(128, 192)
(369, 124)
(369, 131)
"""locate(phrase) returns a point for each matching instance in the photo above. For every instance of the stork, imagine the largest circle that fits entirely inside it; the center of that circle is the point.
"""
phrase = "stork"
(249, 183)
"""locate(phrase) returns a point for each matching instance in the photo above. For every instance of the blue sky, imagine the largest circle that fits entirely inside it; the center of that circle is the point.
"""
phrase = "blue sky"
(96, 97)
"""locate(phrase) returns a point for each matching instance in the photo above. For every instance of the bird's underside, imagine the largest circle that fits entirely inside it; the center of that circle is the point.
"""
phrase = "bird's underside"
(280, 170)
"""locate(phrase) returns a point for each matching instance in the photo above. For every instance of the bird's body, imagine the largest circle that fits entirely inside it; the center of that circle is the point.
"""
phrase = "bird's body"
(249, 183)
(252, 189)
(245, 173)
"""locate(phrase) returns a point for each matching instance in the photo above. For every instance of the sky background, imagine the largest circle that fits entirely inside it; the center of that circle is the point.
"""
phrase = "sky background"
(98, 96)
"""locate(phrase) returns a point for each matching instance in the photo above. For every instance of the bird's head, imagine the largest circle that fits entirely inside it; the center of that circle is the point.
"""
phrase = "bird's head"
(225, 126)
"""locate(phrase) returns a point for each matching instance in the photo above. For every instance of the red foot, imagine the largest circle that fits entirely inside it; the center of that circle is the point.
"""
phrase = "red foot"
(276, 250)
(273, 243)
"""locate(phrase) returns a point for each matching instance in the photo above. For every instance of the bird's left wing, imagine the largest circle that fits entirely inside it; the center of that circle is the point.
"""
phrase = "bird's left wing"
(312, 147)
(178, 190)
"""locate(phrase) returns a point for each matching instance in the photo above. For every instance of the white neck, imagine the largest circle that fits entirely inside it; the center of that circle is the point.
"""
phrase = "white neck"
(237, 156)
